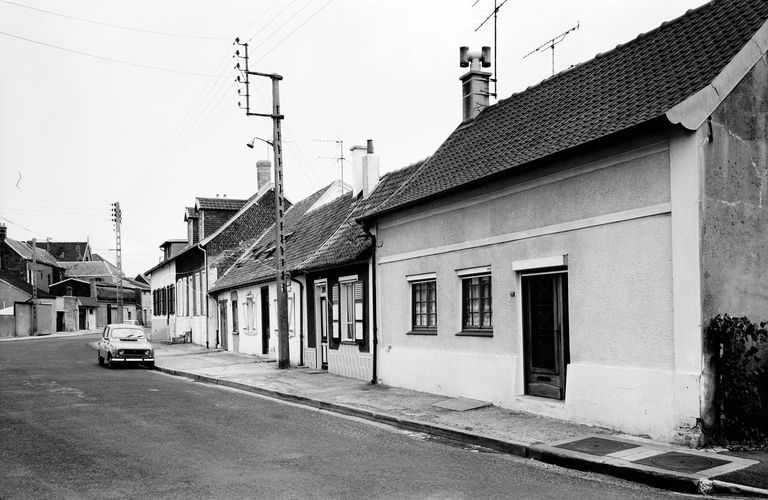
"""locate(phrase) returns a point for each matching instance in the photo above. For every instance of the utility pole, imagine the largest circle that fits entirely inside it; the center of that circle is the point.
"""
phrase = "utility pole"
(283, 356)
(117, 217)
(34, 286)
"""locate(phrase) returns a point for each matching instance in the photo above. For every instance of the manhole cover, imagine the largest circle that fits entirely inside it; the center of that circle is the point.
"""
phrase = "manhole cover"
(597, 446)
(682, 462)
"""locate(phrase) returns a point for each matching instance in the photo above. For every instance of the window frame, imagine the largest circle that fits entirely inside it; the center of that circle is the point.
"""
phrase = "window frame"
(415, 286)
(470, 328)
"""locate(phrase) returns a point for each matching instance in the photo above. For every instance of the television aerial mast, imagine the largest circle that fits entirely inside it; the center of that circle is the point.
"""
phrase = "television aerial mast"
(550, 44)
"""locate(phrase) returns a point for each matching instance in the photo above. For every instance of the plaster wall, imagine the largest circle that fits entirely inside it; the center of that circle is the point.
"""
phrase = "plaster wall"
(164, 325)
(249, 340)
(10, 294)
(735, 202)
(611, 216)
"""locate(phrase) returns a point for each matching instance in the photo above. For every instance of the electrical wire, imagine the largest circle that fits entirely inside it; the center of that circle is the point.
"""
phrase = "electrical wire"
(292, 32)
(128, 28)
(275, 17)
(103, 58)
(22, 227)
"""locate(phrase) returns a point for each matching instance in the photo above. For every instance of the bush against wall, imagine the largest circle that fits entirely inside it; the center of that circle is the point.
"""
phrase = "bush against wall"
(742, 380)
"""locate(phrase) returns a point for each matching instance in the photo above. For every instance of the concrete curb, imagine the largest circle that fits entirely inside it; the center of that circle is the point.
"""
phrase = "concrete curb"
(537, 451)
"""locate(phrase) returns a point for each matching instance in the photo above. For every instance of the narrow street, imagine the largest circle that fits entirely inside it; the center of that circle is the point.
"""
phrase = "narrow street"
(72, 429)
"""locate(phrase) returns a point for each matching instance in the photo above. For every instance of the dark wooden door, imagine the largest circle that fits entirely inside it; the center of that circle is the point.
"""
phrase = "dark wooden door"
(545, 329)
(223, 324)
(265, 320)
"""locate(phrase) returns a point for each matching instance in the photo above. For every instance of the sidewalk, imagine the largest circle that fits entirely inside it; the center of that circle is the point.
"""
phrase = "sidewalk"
(550, 440)
(76, 333)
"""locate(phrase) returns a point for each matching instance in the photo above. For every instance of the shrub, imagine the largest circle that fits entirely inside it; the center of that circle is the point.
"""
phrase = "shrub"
(742, 385)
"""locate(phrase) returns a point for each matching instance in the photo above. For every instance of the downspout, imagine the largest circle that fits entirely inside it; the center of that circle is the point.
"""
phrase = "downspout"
(374, 329)
(301, 320)
(207, 295)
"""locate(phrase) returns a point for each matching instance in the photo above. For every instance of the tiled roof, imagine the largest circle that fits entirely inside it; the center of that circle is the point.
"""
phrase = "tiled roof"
(25, 250)
(349, 242)
(65, 250)
(190, 212)
(636, 82)
(89, 269)
(307, 230)
(22, 285)
(220, 204)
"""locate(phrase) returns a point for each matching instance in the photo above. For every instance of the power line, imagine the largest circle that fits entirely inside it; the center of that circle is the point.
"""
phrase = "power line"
(275, 17)
(292, 32)
(22, 227)
(128, 28)
(103, 58)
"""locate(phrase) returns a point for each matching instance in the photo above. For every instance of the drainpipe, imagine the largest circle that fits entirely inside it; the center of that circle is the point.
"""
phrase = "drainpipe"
(301, 320)
(374, 329)
(207, 295)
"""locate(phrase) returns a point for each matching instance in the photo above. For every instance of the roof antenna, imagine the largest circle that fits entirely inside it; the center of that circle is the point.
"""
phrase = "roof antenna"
(340, 159)
(495, 15)
(550, 44)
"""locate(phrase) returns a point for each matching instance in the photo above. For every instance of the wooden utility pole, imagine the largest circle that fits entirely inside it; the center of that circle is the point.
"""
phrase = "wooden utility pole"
(283, 356)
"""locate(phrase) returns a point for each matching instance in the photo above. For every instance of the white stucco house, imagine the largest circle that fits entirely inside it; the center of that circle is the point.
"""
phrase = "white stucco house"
(561, 251)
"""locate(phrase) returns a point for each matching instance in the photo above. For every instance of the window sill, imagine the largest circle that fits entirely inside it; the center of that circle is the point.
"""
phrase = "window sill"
(425, 331)
(475, 333)
(349, 342)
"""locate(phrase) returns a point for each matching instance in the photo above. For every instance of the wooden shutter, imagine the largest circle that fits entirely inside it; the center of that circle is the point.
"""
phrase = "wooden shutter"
(335, 309)
(359, 310)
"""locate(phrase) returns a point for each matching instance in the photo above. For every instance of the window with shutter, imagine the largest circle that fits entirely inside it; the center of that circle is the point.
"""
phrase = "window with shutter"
(335, 311)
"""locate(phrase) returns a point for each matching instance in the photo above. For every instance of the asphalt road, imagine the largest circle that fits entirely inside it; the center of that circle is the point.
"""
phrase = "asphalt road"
(72, 429)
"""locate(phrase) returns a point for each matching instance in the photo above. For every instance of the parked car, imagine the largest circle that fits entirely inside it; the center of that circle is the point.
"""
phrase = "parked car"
(121, 343)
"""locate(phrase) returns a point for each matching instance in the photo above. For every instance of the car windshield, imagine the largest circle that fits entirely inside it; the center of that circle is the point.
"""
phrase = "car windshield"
(127, 333)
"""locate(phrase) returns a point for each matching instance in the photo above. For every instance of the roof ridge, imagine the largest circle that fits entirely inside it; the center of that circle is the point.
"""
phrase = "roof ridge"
(334, 233)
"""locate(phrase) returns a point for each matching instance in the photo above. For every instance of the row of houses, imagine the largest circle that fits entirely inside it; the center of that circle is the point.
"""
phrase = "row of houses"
(77, 294)
(560, 253)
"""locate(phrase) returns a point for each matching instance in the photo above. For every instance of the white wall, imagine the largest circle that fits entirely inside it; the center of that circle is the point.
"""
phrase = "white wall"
(611, 216)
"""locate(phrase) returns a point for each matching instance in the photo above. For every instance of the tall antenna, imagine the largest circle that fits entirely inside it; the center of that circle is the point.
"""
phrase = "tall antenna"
(550, 44)
(339, 158)
(495, 15)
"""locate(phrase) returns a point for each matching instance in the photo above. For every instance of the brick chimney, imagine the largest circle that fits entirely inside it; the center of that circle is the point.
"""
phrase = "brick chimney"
(474, 84)
(356, 158)
(263, 172)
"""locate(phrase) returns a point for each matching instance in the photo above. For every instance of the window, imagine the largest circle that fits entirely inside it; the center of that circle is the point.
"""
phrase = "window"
(476, 312)
(233, 300)
(171, 299)
(424, 305)
(249, 314)
(187, 290)
(350, 304)
(193, 295)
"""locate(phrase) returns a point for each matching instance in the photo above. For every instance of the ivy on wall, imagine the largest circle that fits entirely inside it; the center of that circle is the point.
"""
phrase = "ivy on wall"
(742, 380)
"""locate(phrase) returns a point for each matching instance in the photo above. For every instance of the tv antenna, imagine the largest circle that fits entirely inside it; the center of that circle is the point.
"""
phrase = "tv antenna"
(341, 158)
(550, 44)
(495, 14)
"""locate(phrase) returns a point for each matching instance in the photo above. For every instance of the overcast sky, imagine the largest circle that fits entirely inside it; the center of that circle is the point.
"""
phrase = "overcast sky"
(136, 101)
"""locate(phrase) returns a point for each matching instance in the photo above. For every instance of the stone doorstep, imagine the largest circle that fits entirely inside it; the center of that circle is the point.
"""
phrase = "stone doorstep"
(638, 455)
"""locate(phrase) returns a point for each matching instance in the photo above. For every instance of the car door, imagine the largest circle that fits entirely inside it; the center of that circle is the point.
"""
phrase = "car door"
(103, 347)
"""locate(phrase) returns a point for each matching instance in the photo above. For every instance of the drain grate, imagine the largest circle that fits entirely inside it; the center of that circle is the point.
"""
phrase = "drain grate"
(682, 462)
(597, 446)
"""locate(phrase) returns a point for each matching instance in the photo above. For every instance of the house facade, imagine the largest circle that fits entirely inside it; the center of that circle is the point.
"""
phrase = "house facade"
(33, 265)
(217, 229)
(561, 252)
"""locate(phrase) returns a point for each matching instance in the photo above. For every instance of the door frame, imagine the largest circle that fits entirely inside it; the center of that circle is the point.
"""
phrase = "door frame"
(223, 335)
(264, 306)
(563, 340)
(320, 308)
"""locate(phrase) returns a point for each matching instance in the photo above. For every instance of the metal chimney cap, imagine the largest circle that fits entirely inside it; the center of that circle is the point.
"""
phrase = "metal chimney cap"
(369, 147)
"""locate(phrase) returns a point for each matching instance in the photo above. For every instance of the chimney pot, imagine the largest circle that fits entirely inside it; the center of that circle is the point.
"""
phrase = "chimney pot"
(369, 147)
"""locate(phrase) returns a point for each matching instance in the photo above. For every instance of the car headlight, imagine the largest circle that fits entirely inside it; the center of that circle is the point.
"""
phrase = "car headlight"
(120, 352)
(147, 352)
